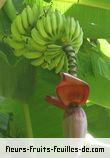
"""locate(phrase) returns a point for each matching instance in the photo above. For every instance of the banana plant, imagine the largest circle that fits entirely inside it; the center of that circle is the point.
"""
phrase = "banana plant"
(45, 42)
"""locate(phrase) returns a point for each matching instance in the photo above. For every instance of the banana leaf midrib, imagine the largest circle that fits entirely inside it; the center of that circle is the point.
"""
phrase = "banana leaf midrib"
(89, 3)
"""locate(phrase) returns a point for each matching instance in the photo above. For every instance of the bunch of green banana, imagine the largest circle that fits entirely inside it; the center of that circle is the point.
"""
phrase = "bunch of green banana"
(21, 28)
(61, 38)
(47, 37)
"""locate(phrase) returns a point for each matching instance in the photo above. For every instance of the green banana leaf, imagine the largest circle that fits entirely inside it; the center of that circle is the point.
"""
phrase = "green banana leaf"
(98, 121)
(48, 122)
(17, 80)
(92, 15)
(94, 68)
(91, 20)
(104, 4)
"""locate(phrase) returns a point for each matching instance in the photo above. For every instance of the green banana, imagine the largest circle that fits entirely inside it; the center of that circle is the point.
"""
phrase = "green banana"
(36, 46)
(78, 41)
(76, 33)
(36, 11)
(60, 64)
(54, 59)
(72, 28)
(24, 18)
(51, 53)
(60, 22)
(57, 59)
(54, 46)
(37, 37)
(19, 25)
(67, 28)
(45, 66)
(18, 52)
(30, 15)
(54, 23)
(38, 62)
(41, 27)
(48, 26)
(14, 31)
(15, 44)
(51, 65)
(31, 54)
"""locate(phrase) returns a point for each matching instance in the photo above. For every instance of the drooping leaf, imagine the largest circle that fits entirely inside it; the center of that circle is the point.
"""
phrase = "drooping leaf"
(98, 121)
(99, 89)
(100, 66)
(90, 15)
(104, 47)
(91, 20)
(99, 81)
(93, 61)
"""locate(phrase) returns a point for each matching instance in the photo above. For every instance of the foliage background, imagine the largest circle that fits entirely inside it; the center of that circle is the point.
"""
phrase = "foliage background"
(23, 109)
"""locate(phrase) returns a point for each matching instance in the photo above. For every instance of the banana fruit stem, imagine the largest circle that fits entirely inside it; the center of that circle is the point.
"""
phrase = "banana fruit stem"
(10, 9)
(28, 121)
(75, 121)
(71, 59)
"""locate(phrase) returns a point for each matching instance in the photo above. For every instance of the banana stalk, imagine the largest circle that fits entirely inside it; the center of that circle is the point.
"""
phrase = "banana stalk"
(75, 121)
(2, 2)
(10, 10)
